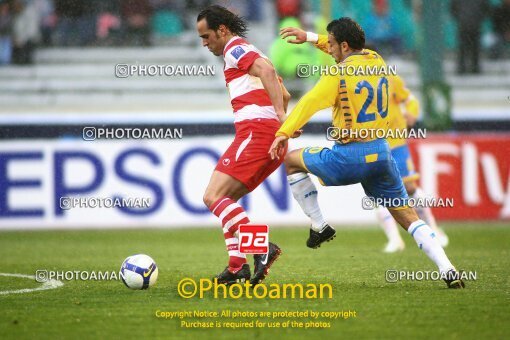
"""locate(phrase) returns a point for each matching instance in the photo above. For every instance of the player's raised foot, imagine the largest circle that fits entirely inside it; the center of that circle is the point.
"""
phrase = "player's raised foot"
(394, 246)
(442, 237)
(263, 262)
(318, 237)
(453, 279)
(228, 277)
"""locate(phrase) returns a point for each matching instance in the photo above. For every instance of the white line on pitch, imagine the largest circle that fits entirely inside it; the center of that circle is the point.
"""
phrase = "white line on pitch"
(50, 284)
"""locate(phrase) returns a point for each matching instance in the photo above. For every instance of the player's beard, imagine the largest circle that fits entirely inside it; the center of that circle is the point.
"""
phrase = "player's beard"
(217, 52)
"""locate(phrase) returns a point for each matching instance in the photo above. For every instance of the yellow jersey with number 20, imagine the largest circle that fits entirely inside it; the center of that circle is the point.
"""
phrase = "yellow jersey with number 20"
(359, 99)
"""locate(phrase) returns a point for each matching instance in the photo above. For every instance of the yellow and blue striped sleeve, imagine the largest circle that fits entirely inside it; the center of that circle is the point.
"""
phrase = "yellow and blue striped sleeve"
(322, 43)
(322, 96)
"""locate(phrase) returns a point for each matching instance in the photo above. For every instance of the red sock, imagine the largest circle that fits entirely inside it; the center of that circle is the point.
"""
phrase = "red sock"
(231, 215)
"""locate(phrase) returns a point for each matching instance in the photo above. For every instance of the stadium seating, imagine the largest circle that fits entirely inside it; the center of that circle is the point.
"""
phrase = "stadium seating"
(85, 78)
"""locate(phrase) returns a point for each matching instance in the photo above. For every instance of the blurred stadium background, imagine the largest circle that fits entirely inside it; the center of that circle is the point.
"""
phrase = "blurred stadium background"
(57, 76)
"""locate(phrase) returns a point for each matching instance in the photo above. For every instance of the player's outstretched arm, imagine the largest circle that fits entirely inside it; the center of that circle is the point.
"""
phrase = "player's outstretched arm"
(298, 34)
(262, 69)
(300, 37)
(286, 94)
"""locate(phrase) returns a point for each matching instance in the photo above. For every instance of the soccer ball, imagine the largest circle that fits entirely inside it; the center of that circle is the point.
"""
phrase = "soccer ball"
(139, 272)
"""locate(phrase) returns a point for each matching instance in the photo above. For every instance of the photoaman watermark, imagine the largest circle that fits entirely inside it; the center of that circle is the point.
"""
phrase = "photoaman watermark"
(189, 288)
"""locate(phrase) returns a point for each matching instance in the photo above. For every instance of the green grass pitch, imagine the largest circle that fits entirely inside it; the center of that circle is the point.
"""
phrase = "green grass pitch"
(353, 264)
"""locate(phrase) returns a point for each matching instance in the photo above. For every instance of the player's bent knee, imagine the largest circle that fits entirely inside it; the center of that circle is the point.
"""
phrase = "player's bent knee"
(209, 198)
(292, 162)
(410, 187)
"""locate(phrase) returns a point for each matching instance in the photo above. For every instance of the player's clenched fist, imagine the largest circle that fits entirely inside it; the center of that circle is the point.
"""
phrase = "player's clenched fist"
(298, 34)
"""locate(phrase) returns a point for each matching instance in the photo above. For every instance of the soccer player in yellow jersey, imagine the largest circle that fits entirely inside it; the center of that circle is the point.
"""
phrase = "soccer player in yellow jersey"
(359, 102)
(404, 109)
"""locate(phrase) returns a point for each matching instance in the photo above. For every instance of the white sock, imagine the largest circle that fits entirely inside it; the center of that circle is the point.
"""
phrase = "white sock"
(389, 225)
(425, 238)
(305, 193)
(425, 213)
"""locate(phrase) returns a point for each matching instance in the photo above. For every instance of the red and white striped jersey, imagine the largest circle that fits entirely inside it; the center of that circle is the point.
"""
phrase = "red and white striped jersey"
(248, 97)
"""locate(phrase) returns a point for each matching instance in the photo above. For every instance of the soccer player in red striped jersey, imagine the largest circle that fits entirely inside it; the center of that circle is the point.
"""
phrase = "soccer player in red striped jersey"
(257, 98)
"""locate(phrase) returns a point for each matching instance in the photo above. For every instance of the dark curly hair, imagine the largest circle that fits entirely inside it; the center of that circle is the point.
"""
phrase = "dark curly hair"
(348, 30)
(217, 15)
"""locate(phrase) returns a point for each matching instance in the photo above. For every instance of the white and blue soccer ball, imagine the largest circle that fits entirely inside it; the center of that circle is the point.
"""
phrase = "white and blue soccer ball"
(139, 272)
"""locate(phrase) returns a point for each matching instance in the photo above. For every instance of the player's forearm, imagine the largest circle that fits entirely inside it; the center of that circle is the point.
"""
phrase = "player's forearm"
(322, 96)
(286, 97)
(274, 90)
(286, 103)
(321, 42)
(301, 114)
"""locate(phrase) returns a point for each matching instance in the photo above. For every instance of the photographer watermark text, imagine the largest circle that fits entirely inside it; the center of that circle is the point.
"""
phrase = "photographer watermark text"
(308, 70)
(394, 275)
(44, 275)
(370, 203)
(141, 70)
(91, 133)
(67, 203)
(338, 134)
